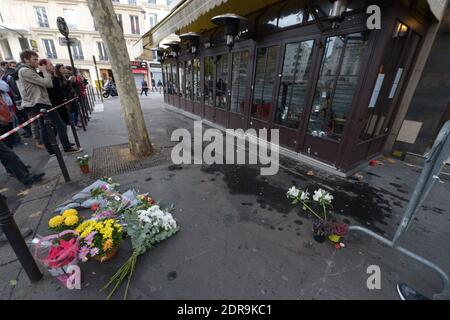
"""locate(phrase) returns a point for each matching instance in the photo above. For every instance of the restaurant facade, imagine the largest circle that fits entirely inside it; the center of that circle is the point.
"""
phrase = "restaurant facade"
(317, 71)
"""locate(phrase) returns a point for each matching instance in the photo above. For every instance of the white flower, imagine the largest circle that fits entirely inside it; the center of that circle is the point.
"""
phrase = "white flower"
(321, 195)
(304, 195)
(293, 192)
(318, 195)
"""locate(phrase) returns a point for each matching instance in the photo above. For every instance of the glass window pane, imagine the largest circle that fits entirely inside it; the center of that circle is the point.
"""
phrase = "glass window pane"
(221, 81)
(189, 80)
(239, 81)
(181, 79)
(196, 79)
(265, 77)
(339, 73)
(209, 81)
(293, 84)
(291, 14)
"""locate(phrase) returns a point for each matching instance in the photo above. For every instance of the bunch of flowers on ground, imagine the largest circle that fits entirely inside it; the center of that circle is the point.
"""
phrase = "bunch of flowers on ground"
(146, 227)
(83, 160)
(325, 225)
(68, 220)
(98, 238)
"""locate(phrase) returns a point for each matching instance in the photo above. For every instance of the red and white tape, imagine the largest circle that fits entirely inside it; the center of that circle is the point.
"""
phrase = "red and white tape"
(20, 126)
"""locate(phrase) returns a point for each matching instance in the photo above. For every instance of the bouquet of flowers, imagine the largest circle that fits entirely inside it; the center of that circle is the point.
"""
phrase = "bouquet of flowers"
(57, 252)
(146, 227)
(83, 162)
(99, 239)
(323, 226)
(68, 220)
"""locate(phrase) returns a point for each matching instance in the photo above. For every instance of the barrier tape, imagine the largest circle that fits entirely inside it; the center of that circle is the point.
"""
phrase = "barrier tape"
(20, 126)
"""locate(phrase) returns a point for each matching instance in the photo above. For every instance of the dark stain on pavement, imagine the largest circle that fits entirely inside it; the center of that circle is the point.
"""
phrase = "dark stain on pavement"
(172, 275)
(174, 167)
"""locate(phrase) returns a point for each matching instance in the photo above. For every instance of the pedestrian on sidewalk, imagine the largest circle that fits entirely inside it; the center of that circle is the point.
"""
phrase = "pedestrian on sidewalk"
(160, 85)
(15, 165)
(10, 77)
(153, 85)
(6, 124)
(144, 87)
(33, 89)
(60, 91)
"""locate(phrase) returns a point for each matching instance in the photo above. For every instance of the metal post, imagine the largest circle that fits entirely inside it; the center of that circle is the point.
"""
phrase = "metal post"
(98, 78)
(81, 114)
(72, 126)
(17, 242)
(54, 145)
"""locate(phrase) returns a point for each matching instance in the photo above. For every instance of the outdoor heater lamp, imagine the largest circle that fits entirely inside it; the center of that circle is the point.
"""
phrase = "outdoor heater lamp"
(193, 39)
(159, 53)
(230, 21)
(174, 47)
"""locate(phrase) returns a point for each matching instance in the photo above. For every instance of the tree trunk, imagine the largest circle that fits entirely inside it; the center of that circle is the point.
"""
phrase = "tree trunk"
(112, 35)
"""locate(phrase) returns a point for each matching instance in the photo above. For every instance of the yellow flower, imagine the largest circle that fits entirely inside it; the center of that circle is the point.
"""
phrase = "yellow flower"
(107, 245)
(71, 221)
(69, 212)
(56, 221)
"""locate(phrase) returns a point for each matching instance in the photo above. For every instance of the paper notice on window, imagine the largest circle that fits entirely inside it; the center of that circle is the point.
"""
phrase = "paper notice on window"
(396, 82)
(376, 91)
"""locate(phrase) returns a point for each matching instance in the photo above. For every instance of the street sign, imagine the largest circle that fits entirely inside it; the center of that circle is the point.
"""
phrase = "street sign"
(64, 41)
(62, 26)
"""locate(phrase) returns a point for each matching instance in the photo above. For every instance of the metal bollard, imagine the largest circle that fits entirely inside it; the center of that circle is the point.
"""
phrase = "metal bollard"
(81, 114)
(92, 93)
(12, 233)
(83, 108)
(54, 145)
(72, 126)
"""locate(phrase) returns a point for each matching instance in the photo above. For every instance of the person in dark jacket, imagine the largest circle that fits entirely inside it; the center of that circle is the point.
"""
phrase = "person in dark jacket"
(60, 92)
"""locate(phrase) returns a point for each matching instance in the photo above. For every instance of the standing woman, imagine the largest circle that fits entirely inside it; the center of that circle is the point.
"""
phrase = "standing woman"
(60, 92)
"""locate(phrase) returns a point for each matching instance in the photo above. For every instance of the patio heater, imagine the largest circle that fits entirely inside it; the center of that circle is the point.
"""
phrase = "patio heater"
(159, 53)
(193, 39)
(175, 48)
(336, 15)
(230, 22)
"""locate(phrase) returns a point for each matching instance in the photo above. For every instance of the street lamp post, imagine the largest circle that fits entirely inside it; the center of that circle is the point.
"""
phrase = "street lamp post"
(64, 30)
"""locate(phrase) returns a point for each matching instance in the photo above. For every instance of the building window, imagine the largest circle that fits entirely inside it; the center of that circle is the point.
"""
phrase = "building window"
(24, 44)
(77, 51)
(7, 53)
(293, 83)
(115, 1)
(169, 2)
(239, 81)
(189, 80)
(265, 78)
(152, 1)
(196, 69)
(153, 18)
(119, 19)
(181, 79)
(132, 2)
(50, 49)
(71, 18)
(135, 25)
(209, 81)
(339, 74)
(102, 54)
(42, 17)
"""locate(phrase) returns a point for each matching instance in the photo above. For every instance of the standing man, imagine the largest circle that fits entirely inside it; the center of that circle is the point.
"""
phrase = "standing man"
(33, 89)
(153, 85)
(144, 87)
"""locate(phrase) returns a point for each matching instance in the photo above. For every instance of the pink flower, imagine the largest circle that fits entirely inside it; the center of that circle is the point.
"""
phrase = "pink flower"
(88, 239)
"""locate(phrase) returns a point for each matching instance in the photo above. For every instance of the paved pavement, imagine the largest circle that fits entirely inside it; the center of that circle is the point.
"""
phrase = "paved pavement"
(240, 237)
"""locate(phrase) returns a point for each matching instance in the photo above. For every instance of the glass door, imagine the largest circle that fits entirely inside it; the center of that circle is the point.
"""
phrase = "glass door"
(189, 74)
(239, 89)
(209, 88)
(181, 86)
(294, 81)
(336, 87)
(264, 86)
(223, 91)
(197, 95)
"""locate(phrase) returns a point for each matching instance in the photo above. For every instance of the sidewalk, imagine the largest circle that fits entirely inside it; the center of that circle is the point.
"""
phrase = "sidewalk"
(240, 237)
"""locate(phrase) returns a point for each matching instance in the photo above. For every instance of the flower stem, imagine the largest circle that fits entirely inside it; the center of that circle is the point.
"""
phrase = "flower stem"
(307, 207)
(324, 211)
